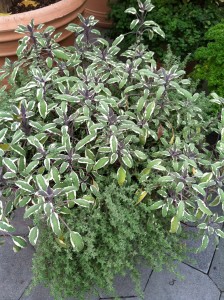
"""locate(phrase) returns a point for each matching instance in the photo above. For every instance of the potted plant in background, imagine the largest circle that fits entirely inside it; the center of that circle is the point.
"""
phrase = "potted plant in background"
(100, 10)
(107, 154)
(210, 60)
(184, 22)
(58, 15)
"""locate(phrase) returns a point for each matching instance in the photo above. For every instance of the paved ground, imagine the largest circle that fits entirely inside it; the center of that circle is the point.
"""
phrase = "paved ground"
(203, 280)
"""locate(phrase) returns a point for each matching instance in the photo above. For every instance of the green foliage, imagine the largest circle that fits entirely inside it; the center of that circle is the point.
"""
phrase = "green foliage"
(89, 112)
(209, 110)
(117, 234)
(211, 60)
(184, 23)
(7, 94)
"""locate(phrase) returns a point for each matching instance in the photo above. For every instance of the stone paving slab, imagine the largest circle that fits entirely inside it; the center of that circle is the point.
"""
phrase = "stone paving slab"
(15, 271)
(39, 293)
(17, 220)
(195, 286)
(19, 223)
(42, 293)
(122, 298)
(15, 276)
(129, 298)
(216, 272)
(125, 287)
(202, 260)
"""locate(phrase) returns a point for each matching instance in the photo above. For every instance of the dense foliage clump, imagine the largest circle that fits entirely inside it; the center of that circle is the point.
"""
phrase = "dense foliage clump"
(184, 22)
(211, 59)
(117, 234)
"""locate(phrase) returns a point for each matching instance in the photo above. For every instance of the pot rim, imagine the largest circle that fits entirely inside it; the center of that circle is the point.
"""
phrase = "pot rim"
(41, 15)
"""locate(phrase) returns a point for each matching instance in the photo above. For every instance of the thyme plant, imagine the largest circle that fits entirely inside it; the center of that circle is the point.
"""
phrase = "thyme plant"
(119, 237)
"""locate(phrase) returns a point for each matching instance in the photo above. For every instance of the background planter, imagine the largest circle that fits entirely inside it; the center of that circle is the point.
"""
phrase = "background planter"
(99, 9)
(58, 15)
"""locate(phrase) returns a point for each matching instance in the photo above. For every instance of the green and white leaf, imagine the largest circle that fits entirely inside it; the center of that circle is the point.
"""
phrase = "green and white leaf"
(131, 10)
(33, 235)
(127, 160)
(199, 189)
(31, 166)
(85, 141)
(113, 143)
(42, 107)
(149, 110)
(48, 209)
(141, 155)
(31, 210)
(204, 244)
(3, 134)
(19, 241)
(10, 164)
(219, 232)
(180, 209)
(204, 208)
(156, 205)
(83, 202)
(6, 227)
(76, 241)
(102, 162)
(42, 182)
(55, 223)
(25, 186)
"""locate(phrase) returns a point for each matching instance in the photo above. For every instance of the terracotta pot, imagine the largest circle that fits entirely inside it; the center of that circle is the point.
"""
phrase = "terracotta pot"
(58, 15)
(99, 9)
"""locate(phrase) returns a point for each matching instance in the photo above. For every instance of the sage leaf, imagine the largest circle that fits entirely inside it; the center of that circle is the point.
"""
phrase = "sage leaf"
(6, 227)
(204, 244)
(25, 186)
(121, 176)
(156, 205)
(180, 209)
(19, 241)
(76, 241)
(102, 162)
(175, 223)
(204, 208)
(31, 210)
(141, 197)
(33, 235)
(55, 224)
(10, 164)
(41, 182)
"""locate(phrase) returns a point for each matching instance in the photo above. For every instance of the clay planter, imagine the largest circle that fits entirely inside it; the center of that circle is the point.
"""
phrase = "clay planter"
(99, 9)
(58, 15)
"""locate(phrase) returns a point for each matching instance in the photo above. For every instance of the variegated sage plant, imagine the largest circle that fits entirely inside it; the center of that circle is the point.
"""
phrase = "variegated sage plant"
(88, 112)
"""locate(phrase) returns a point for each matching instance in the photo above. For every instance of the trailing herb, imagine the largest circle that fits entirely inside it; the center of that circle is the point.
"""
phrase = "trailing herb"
(117, 235)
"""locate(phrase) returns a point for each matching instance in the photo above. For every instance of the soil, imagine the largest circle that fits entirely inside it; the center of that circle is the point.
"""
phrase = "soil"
(17, 6)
